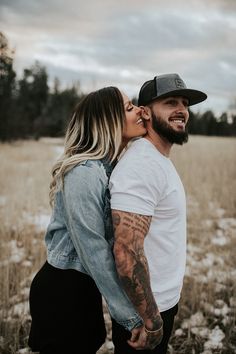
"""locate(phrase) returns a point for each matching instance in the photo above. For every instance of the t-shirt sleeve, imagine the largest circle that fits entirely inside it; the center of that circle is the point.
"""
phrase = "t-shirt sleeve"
(137, 186)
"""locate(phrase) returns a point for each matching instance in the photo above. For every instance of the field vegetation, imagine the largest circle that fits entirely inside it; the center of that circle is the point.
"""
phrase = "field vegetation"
(207, 165)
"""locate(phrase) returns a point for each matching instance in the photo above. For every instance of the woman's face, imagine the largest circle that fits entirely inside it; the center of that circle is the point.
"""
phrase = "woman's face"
(134, 123)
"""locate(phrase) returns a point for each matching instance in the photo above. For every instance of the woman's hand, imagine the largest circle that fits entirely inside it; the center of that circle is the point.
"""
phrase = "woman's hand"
(142, 338)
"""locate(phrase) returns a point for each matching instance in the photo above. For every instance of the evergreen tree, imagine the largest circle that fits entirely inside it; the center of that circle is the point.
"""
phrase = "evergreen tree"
(192, 123)
(7, 87)
(223, 127)
(32, 99)
(59, 109)
(233, 126)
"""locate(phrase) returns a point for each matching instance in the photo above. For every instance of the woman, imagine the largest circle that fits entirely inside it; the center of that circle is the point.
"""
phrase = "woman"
(65, 295)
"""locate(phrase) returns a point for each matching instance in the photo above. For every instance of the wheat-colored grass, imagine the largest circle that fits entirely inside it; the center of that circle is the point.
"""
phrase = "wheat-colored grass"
(208, 169)
(207, 309)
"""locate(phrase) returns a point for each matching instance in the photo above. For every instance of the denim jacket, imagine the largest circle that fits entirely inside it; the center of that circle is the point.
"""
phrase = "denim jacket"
(80, 235)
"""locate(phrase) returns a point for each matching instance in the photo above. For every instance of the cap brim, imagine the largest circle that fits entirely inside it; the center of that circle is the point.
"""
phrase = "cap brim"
(193, 96)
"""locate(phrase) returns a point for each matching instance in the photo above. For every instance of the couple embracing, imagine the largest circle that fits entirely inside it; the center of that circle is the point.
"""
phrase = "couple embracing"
(118, 224)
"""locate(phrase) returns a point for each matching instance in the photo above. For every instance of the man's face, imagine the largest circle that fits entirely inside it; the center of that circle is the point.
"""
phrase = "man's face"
(169, 118)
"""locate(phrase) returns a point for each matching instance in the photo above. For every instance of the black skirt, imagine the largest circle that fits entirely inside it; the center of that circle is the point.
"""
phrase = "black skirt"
(66, 311)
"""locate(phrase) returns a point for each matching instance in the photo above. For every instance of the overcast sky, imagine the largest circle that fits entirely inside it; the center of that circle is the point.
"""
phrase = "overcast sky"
(126, 42)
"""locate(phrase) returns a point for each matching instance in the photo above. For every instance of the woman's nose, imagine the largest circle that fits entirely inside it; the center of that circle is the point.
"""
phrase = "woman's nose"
(138, 110)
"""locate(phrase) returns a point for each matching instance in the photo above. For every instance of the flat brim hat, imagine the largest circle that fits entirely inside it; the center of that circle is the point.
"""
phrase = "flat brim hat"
(168, 85)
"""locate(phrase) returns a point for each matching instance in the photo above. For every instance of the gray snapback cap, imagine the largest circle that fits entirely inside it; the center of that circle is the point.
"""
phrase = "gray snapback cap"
(168, 85)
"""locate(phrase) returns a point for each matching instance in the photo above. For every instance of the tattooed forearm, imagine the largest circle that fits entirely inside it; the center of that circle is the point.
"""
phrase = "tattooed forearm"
(132, 265)
(116, 220)
(137, 223)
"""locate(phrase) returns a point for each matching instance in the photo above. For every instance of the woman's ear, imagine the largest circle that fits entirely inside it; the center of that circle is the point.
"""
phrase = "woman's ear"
(146, 112)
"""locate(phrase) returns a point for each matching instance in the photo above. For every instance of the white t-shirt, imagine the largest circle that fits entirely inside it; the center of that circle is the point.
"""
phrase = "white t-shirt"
(146, 182)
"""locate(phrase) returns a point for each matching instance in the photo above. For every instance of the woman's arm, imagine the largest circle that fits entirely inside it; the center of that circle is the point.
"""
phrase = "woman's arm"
(83, 197)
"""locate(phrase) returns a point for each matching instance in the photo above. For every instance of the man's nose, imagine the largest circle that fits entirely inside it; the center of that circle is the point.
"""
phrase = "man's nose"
(182, 108)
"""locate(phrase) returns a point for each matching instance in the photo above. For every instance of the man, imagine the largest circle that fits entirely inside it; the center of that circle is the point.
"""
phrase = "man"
(149, 215)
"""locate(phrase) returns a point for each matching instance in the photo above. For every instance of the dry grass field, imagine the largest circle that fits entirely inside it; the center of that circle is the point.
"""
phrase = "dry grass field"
(206, 319)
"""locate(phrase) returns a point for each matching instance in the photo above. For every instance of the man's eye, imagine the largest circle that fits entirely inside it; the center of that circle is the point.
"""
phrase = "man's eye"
(172, 102)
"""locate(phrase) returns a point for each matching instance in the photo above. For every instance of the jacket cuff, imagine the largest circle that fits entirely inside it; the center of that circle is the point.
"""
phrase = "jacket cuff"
(133, 322)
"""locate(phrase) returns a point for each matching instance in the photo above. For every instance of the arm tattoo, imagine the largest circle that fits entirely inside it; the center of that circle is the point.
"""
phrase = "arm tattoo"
(116, 220)
(132, 266)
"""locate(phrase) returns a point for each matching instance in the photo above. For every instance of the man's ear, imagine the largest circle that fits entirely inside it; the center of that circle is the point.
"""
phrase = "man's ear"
(146, 112)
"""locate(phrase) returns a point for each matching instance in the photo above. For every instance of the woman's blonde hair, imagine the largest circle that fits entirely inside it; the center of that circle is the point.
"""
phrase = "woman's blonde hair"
(94, 132)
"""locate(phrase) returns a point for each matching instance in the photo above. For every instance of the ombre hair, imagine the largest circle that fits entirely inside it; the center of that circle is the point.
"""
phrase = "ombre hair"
(94, 132)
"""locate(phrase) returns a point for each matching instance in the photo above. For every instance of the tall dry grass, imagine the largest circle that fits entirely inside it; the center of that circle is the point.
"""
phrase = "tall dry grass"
(206, 319)
(207, 309)
(24, 180)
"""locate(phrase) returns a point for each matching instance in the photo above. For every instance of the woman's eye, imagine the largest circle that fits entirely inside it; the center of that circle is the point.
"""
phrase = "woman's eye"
(130, 108)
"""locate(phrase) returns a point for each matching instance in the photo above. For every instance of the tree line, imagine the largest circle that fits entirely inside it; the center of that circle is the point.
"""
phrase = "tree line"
(29, 109)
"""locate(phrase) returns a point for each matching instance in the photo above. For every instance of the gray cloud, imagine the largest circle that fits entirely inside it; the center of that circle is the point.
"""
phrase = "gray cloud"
(126, 43)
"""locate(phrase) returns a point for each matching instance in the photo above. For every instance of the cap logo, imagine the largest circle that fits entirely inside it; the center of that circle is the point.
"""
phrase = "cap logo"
(179, 83)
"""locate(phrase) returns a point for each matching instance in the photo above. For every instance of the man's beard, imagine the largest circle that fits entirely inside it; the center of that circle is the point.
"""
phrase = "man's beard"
(167, 132)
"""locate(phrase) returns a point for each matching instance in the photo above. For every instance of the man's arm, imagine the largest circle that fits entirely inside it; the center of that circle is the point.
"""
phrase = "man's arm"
(130, 230)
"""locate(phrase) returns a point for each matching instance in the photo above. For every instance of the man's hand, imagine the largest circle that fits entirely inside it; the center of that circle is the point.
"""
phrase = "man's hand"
(142, 339)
